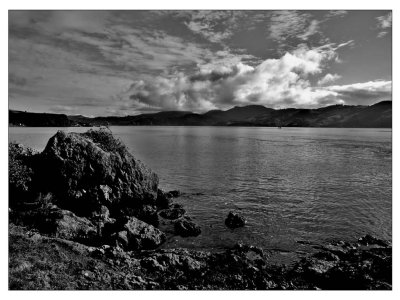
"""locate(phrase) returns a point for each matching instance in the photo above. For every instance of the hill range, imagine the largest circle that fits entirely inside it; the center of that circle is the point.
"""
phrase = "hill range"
(378, 115)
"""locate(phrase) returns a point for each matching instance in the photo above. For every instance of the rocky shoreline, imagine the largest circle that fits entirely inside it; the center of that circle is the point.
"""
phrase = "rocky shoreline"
(84, 214)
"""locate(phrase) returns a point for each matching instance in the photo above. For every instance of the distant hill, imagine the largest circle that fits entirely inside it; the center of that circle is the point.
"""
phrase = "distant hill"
(378, 115)
(20, 118)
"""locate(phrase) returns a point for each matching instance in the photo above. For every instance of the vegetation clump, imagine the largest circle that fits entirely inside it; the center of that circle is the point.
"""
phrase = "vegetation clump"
(20, 172)
(104, 138)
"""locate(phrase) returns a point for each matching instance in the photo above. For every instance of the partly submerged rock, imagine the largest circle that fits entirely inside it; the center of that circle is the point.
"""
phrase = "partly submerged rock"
(185, 228)
(93, 169)
(235, 220)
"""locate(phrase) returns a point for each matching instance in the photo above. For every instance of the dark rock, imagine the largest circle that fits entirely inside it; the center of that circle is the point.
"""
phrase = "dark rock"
(187, 228)
(86, 171)
(142, 236)
(235, 220)
(172, 213)
(163, 199)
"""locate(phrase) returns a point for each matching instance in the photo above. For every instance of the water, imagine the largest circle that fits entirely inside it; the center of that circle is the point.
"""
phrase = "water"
(291, 184)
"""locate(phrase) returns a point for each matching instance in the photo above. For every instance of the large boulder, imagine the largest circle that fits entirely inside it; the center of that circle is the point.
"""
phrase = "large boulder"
(89, 170)
(138, 235)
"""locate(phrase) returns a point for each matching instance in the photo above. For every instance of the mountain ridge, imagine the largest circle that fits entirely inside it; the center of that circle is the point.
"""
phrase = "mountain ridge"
(376, 115)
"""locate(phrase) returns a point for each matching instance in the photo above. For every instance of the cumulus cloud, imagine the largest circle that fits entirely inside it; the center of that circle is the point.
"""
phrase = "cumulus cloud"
(328, 78)
(274, 82)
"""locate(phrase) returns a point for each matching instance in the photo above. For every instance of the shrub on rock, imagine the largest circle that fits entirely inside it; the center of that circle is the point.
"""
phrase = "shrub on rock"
(20, 173)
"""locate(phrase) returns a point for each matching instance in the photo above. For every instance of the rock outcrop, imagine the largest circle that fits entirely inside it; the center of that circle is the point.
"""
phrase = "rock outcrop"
(85, 187)
(93, 169)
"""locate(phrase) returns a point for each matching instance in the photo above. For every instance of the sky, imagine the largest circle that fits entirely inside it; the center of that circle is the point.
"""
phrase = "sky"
(101, 63)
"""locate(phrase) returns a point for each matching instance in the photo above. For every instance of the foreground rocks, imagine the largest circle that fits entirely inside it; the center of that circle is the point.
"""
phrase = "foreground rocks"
(40, 262)
(344, 265)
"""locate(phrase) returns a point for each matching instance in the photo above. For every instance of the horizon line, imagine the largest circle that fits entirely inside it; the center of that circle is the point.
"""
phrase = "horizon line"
(190, 112)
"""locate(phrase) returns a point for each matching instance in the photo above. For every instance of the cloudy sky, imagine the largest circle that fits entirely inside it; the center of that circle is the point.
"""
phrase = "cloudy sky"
(129, 62)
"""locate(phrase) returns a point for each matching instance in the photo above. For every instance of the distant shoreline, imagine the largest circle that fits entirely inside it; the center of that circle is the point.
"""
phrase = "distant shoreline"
(216, 126)
(378, 115)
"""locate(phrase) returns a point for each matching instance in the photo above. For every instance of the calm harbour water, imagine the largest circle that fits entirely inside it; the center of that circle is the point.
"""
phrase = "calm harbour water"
(292, 184)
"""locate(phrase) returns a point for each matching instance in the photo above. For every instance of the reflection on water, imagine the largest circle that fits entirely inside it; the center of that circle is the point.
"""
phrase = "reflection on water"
(292, 184)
